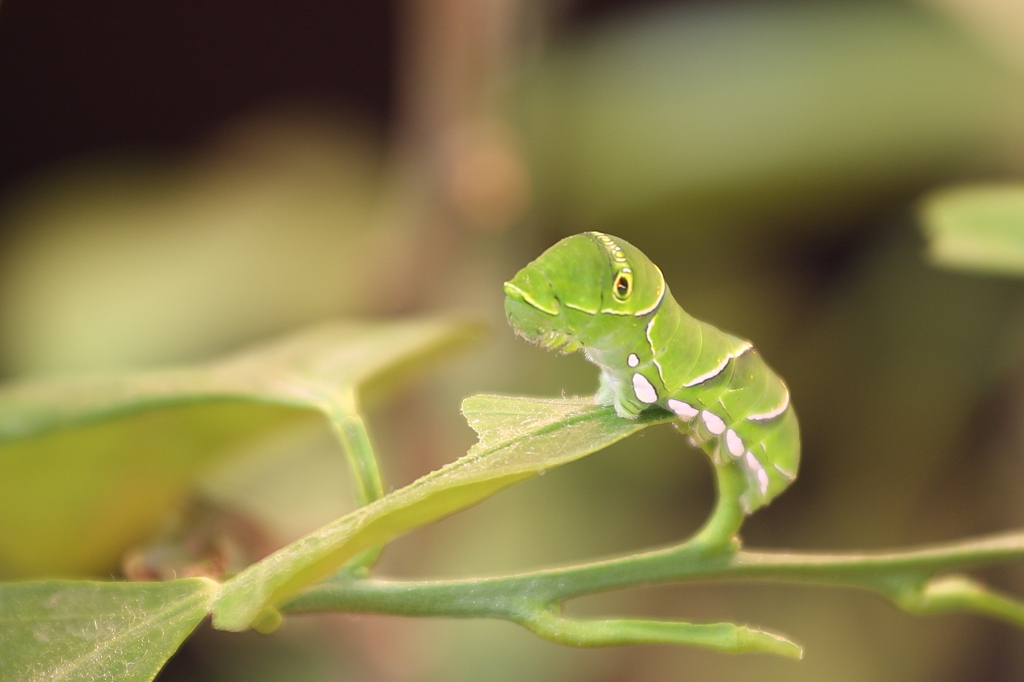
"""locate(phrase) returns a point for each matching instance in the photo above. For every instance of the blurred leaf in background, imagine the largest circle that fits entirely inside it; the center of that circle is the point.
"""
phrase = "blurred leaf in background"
(979, 228)
(758, 114)
(89, 467)
(133, 263)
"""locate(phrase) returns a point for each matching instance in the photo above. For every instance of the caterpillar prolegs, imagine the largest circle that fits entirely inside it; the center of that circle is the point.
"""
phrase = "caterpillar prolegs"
(599, 293)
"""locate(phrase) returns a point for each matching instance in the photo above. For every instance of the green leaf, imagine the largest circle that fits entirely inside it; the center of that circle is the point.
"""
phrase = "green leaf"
(89, 466)
(977, 228)
(58, 630)
(519, 438)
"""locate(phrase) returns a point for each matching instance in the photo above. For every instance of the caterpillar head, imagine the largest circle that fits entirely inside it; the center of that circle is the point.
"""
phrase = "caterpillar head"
(562, 300)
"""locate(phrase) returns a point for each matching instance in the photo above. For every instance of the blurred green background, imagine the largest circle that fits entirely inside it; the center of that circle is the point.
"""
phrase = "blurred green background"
(177, 179)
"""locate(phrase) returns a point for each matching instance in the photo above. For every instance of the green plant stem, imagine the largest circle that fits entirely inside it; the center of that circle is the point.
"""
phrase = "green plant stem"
(534, 600)
(726, 637)
(350, 429)
(903, 577)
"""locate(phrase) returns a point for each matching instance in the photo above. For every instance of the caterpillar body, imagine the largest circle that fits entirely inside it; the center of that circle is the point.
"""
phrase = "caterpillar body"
(601, 294)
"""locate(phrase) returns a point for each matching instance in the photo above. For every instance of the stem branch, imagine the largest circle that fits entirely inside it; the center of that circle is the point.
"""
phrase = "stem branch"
(904, 577)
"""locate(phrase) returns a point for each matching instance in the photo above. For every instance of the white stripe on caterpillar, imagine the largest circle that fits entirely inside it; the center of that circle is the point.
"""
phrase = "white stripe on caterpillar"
(771, 414)
(721, 366)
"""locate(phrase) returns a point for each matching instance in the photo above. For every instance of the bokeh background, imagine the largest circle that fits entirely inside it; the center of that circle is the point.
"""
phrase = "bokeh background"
(178, 179)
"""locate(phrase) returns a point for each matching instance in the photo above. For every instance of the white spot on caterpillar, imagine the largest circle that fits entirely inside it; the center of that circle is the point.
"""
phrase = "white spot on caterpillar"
(734, 443)
(684, 410)
(643, 389)
(632, 360)
(773, 413)
(762, 480)
(713, 422)
(759, 472)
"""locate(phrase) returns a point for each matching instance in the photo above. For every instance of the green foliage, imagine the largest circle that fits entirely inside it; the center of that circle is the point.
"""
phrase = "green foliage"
(58, 630)
(88, 467)
(744, 142)
(99, 630)
(89, 431)
(519, 438)
(824, 101)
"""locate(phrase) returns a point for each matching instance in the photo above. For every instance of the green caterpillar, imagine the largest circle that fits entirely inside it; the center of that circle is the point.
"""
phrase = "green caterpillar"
(601, 294)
